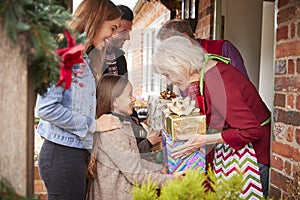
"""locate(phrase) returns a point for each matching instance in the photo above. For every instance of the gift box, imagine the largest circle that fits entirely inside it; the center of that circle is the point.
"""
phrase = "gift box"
(195, 160)
(154, 112)
(181, 125)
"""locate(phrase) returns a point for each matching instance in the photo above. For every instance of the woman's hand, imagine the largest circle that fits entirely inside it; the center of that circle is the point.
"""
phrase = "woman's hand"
(193, 143)
(107, 122)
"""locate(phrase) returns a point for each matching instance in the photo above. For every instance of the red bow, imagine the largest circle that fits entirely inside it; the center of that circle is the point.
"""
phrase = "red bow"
(69, 56)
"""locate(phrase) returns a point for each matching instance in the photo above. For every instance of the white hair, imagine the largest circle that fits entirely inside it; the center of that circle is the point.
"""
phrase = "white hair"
(179, 55)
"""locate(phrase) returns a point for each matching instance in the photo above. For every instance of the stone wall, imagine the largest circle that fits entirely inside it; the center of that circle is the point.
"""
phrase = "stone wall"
(286, 114)
(16, 149)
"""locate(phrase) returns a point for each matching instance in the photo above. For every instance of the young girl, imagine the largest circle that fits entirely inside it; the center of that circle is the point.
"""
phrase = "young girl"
(68, 115)
(116, 163)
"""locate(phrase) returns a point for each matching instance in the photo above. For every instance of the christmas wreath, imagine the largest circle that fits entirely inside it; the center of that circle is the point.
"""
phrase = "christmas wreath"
(34, 25)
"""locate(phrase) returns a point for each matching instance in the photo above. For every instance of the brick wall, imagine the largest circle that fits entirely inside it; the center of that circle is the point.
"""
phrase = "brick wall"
(39, 186)
(205, 19)
(286, 114)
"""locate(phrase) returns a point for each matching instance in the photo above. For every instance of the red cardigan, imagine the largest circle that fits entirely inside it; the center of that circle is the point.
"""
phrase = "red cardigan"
(233, 103)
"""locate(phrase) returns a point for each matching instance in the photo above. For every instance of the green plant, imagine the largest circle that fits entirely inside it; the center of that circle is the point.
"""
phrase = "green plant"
(7, 192)
(147, 191)
(192, 186)
(33, 25)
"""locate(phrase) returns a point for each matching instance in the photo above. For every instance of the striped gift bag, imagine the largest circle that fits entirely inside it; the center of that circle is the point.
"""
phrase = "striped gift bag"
(195, 160)
(227, 161)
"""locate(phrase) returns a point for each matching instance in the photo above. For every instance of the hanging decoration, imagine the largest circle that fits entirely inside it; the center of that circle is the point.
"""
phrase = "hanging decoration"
(34, 25)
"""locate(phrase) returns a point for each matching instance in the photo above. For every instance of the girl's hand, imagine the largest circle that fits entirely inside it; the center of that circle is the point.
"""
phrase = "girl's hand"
(107, 122)
(164, 170)
(179, 175)
(154, 137)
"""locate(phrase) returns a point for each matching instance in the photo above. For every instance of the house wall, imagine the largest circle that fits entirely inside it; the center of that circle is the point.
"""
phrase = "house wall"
(146, 15)
(286, 114)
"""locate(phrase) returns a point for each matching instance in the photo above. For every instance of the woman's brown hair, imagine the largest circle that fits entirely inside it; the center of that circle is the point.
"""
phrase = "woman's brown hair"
(109, 87)
(90, 15)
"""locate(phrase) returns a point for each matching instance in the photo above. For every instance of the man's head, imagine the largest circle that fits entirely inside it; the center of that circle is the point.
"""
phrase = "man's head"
(122, 33)
(175, 27)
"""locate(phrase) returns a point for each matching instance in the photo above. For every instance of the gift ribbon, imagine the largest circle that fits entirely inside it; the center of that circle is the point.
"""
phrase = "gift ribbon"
(207, 57)
(70, 55)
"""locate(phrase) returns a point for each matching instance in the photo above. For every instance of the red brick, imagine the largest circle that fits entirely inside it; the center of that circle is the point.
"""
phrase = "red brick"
(36, 173)
(277, 163)
(298, 64)
(286, 196)
(287, 83)
(279, 179)
(286, 14)
(290, 134)
(290, 101)
(288, 168)
(282, 33)
(290, 117)
(286, 151)
(279, 100)
(296, 154)
(298, 34)
(293, 30)
(298, 136)
(288, 49)
(291, 66)
(43, 196)
(38, 187)
(274, 193)
(282, 3)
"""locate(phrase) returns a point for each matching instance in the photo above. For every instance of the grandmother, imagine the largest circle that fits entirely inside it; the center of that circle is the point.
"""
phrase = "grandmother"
(234, 110)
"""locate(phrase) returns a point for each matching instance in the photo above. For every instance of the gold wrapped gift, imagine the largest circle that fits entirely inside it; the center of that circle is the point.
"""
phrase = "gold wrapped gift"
(181, 125)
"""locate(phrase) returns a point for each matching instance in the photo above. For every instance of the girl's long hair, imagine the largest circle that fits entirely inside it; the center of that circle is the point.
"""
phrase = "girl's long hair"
(110, 87)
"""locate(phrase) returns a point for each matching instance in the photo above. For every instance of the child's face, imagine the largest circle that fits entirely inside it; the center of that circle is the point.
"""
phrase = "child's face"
(124, 103)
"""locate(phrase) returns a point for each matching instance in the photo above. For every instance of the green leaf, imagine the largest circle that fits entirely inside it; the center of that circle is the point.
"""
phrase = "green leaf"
(23, 27)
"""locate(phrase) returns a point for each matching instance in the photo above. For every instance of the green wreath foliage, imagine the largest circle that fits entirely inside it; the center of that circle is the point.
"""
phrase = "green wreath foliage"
(34, 25)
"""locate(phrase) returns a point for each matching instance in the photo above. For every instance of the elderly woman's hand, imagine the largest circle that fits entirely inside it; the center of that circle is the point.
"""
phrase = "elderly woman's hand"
(192, 143)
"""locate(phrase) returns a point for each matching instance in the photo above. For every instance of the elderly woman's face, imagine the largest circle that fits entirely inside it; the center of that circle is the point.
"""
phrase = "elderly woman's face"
(179, 80)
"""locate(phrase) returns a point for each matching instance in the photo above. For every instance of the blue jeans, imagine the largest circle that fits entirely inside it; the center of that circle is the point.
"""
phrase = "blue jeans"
(264, 178)
(63, 171)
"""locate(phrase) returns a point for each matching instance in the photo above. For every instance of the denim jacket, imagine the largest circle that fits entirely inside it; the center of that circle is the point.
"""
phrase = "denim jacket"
(67, 116)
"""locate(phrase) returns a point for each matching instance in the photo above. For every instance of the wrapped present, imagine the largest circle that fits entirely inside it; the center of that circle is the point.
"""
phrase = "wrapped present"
(182, 117)
(195, 160)
(182, 125)
(155, 106)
